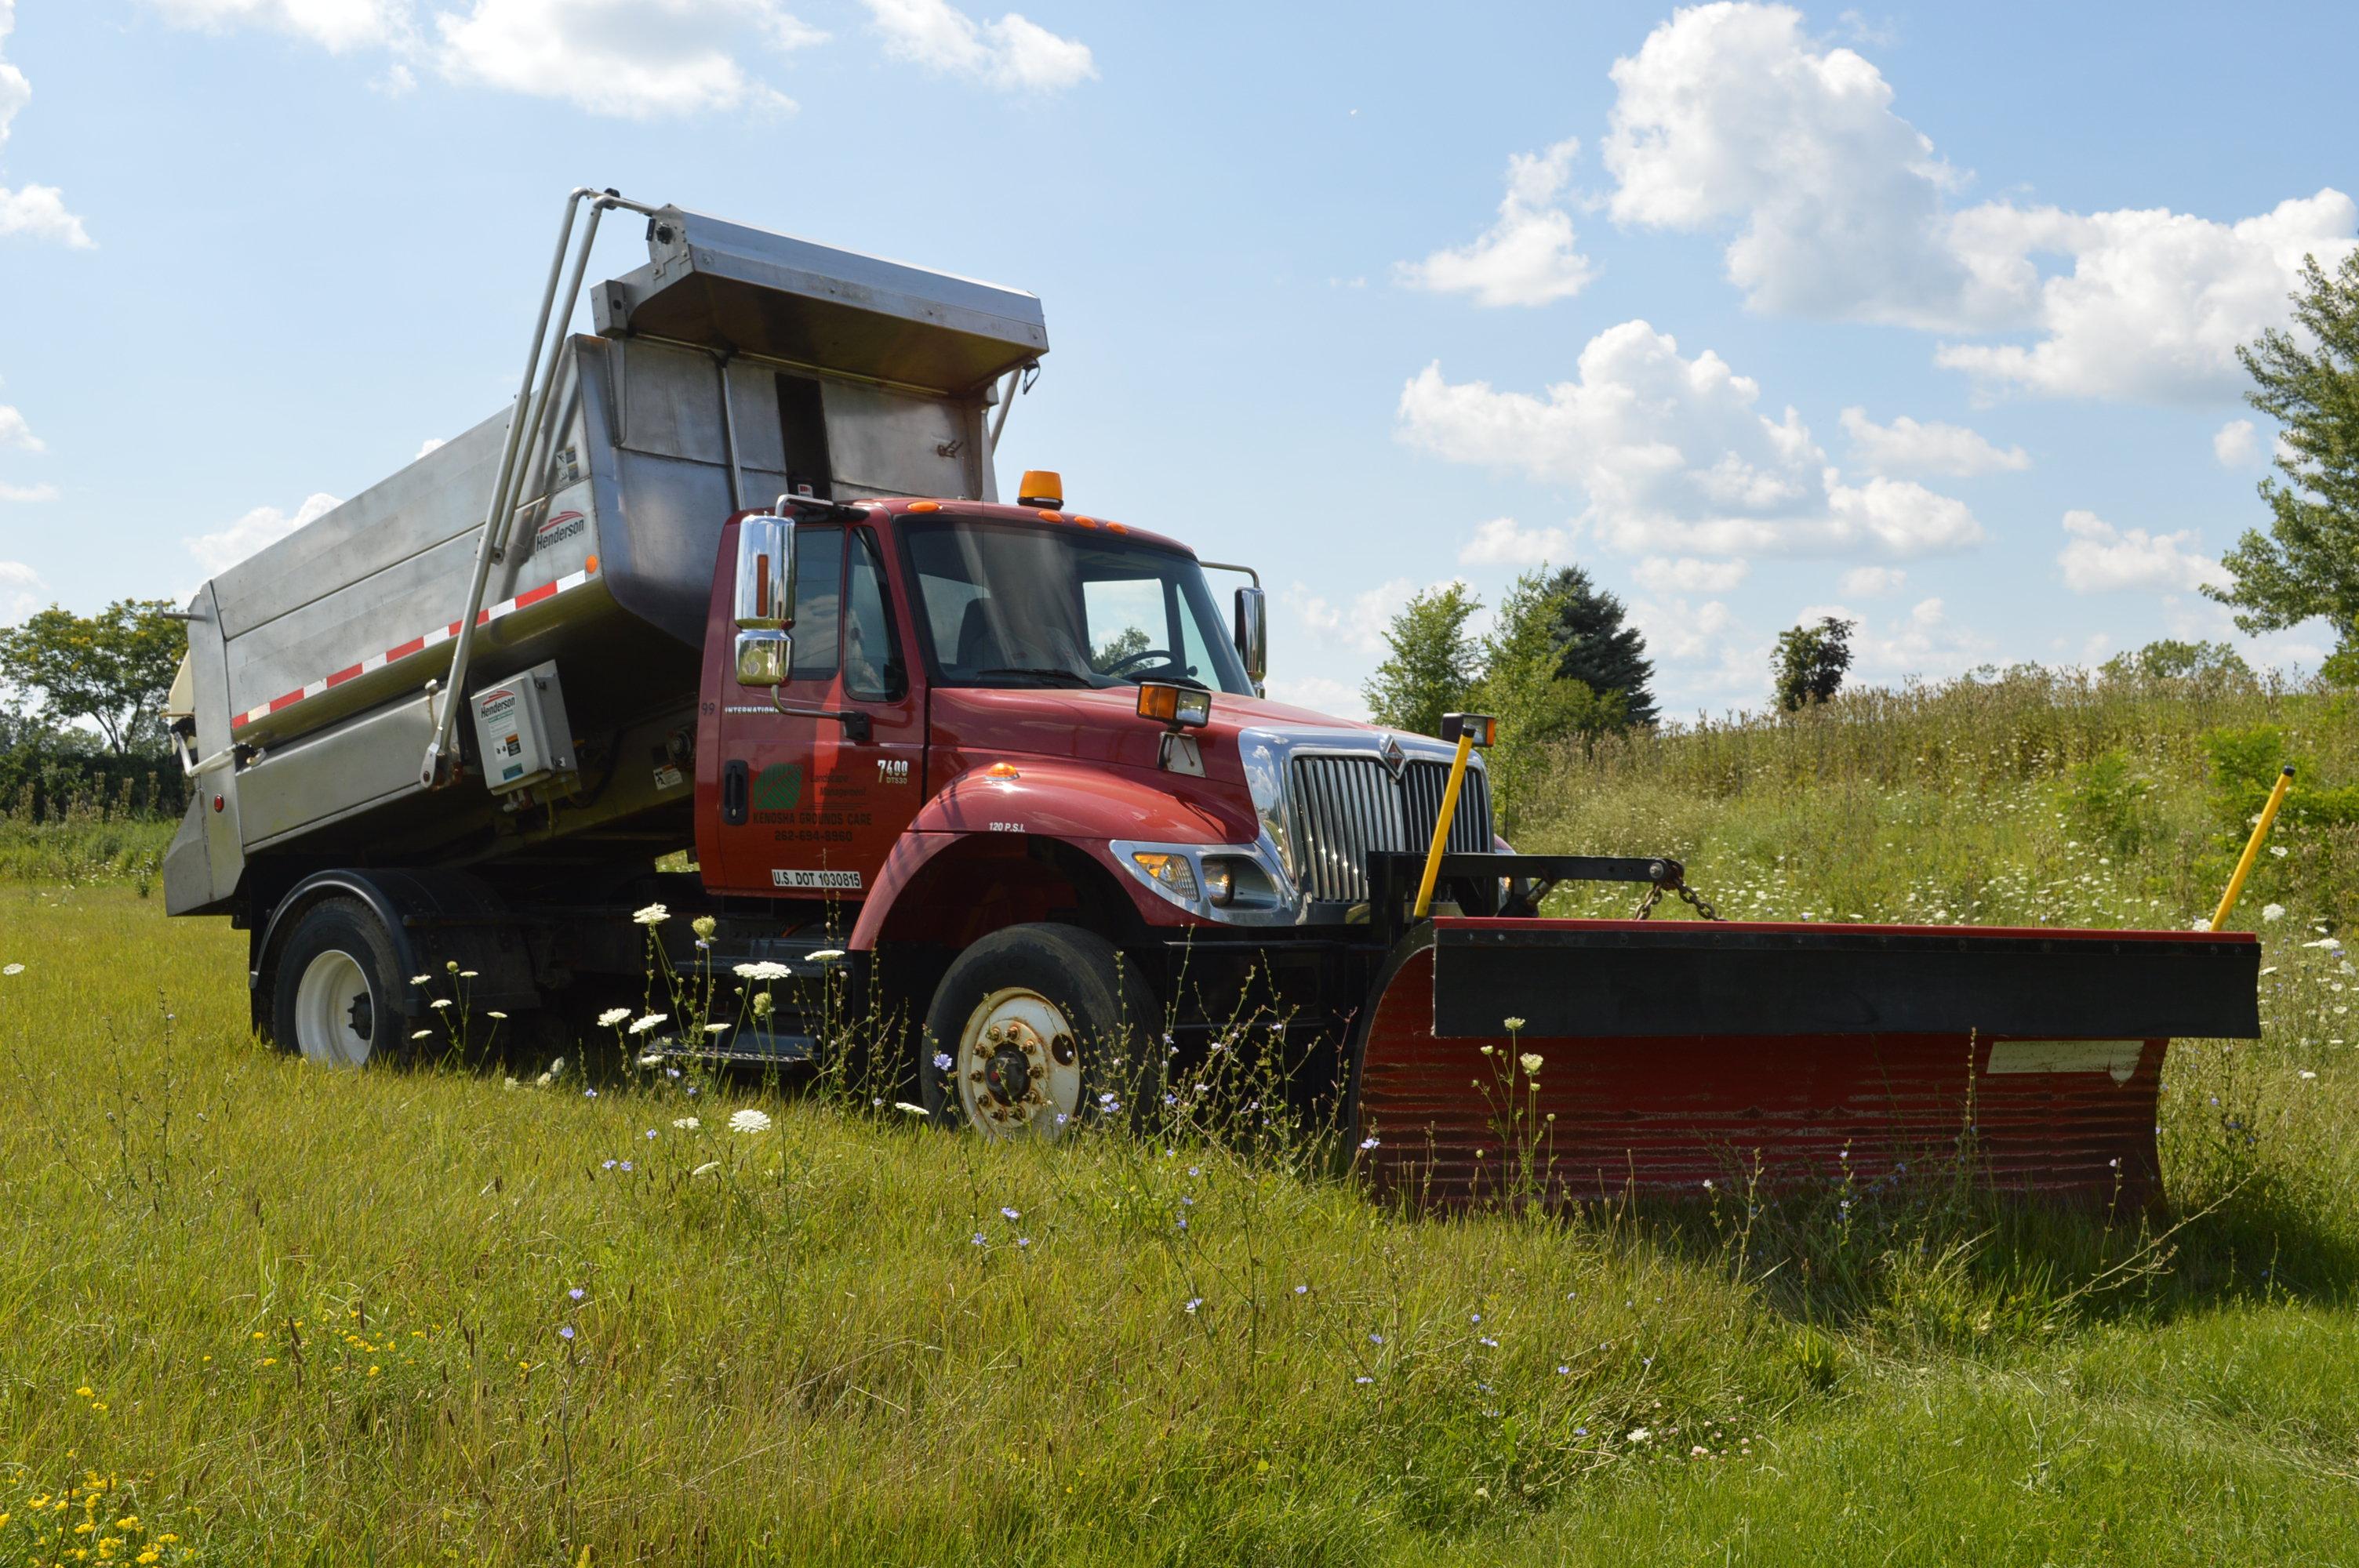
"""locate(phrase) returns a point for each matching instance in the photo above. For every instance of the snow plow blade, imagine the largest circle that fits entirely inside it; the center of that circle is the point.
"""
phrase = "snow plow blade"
(1671, 1053)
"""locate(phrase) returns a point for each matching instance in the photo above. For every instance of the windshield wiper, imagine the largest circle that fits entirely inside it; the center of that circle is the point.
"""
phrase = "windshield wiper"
(1044, 672)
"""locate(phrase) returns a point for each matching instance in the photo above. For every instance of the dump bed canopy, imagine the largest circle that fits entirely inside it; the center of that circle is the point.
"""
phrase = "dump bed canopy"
(724, 285)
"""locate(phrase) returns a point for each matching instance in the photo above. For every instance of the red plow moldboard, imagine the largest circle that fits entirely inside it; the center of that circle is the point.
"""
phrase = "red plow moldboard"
(1672, 1054)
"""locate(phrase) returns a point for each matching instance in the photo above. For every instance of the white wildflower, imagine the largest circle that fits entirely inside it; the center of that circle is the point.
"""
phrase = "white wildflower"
(1639, 1434)
(2328, 942)
(704, 925)
(641, 1025)
(469, 974)
(439, 1003)
(716, 1029)
(1514, 1024)
(420, 1034)
(651, 1059)
(418, 980)
(2278, 850)
(507, 1082)
(654, 914)
(912, 1109)
(613, 1016)
(706, 1169)
(749, 1120)
(1531, 1061)
(2273, 912)
(826, 956)
(686, 1123)
(764, 970)
(494, 1012)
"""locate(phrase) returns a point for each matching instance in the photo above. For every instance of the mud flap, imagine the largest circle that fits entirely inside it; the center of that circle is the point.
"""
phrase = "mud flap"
(1585, 1059)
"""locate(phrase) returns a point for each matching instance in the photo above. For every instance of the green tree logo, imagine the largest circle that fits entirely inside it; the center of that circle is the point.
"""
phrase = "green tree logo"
(778, 787)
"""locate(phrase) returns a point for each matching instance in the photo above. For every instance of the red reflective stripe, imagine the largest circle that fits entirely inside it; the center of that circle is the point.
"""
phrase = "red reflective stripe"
(414, 646)
(545, 591)
(341, 677)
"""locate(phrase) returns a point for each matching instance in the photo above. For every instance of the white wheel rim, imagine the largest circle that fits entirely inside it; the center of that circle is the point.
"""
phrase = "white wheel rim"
(1019, 1066)
(333, 985)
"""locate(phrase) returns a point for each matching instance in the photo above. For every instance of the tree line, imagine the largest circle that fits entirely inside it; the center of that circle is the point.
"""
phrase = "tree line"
(82, 703)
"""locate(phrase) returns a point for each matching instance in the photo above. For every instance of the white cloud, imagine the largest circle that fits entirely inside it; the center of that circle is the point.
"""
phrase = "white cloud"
(2157, 301)
(1681, 632)
(1731, 119)
(1339, 700)
(1675, 458)
(431, 443)
(35, 211)
(1924, 643)
(28, 492)
(633, 59)
(20, 588)
(335, 24)
(1530, 256)
(1874, 582)
(1503, 542)
(217, 552)
(1687, 574)
(1360, 625)
(1012, 53)
(2236, 444)
(2102, 558)
(1906, 447)
(14, 432)
(38, 212)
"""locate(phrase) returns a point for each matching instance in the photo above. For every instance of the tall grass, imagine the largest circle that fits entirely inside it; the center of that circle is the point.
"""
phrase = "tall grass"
(294, 1316)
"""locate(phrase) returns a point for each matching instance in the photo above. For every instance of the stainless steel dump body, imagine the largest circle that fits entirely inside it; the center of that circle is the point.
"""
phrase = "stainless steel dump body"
(735, 365)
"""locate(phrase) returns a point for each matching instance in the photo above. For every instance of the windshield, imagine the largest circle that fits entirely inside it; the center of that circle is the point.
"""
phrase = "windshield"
(1017, 604)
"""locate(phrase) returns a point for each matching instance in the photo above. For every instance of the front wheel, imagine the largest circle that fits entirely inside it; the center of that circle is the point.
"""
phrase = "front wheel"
(333, 997)
(1037, 1029)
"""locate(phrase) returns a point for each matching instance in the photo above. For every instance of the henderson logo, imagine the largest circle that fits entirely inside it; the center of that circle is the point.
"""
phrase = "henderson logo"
(557, 529)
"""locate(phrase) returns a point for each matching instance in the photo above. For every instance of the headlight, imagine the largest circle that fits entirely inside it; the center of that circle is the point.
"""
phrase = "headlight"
(1219, 883)
(1172, 872)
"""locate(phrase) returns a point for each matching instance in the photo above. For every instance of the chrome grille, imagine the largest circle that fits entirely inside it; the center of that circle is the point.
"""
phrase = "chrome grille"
(1344, 808)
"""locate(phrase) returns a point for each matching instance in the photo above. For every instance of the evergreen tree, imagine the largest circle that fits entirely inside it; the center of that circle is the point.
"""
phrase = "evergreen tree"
(1538, 709)
(1596, 649)
(2307, 380)
(1432, 664)
(1812, 661)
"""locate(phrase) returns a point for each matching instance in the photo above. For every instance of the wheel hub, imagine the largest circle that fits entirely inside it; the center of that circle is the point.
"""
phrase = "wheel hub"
(1019, 1066)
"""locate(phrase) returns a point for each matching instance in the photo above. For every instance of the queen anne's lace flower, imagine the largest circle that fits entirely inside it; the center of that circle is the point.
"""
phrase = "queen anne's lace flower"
(749, 1120)
(613, 1016)
(764, 970)
(654, 914)
(641, 1025)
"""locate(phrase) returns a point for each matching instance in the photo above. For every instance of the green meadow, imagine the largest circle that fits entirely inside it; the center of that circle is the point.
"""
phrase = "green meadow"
(252, 1311)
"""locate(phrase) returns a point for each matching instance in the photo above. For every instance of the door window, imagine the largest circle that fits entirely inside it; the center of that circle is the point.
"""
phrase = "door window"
(819, 590)
(872, 656)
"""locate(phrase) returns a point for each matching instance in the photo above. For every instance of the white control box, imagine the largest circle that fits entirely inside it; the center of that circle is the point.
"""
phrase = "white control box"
(521, 733)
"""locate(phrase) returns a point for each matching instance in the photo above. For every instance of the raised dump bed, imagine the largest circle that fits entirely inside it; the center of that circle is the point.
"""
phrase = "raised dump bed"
(735, 366)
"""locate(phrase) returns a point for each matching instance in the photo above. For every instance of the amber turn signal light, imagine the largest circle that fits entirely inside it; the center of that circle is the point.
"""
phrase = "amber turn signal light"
(1481, 726)
(1179, 706)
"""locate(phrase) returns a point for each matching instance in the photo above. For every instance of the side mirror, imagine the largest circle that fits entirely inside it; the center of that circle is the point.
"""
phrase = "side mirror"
(766, 576)
(764, 658)
(1253, 633)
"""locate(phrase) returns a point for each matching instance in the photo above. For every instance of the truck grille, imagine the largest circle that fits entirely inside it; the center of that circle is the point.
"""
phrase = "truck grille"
(1344, 808)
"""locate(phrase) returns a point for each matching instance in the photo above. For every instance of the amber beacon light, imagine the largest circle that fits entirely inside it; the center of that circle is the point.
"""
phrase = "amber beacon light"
(1041, 487)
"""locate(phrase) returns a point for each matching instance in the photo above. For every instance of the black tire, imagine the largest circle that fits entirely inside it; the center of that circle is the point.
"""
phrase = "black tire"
(1110, 1054)
(347, 929)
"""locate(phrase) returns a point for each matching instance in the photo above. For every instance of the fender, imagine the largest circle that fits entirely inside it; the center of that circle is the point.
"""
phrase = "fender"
(432, 918)
(1081, 804)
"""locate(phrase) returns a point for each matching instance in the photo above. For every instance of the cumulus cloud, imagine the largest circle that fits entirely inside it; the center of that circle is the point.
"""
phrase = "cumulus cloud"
(2102, 558)
(1906, 447)
(1688, 574)
(1731, 119)
(1874, 582)
(14, 432)
(19, 591)
(1676, 459)
(31, 212)
(1340, 699)
(1359, 625)
(631, 58)
(335, 25)
(1530, 256)
(264, 525)
(1013, 53)
(28, 492)
(2236, 443)
(1504, 542)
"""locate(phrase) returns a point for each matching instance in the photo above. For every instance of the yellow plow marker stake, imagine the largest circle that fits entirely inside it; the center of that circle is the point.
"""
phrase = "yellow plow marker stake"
(1442, 824)
(2252, 850)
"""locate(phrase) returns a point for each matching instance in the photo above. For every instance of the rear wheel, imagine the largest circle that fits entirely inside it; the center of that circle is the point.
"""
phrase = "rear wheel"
(334, 996)
(1036, 1030)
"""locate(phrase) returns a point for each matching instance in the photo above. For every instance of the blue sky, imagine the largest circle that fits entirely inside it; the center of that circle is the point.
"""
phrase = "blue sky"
(1922, 314)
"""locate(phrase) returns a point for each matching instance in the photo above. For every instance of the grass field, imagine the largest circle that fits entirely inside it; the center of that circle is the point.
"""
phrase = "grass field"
(283, 1316)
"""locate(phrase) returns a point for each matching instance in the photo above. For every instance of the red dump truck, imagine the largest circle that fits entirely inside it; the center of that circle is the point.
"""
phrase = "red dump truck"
(733, 576)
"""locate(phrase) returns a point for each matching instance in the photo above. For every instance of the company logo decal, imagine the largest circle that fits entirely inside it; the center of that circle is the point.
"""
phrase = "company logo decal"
(778, 787)
(557, 529)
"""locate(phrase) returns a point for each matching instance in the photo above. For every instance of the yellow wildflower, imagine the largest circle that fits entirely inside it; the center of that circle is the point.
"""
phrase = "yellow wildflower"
(83, 1390)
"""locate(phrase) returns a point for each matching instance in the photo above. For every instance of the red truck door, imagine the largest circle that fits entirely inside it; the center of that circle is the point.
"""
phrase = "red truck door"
(813, 798)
